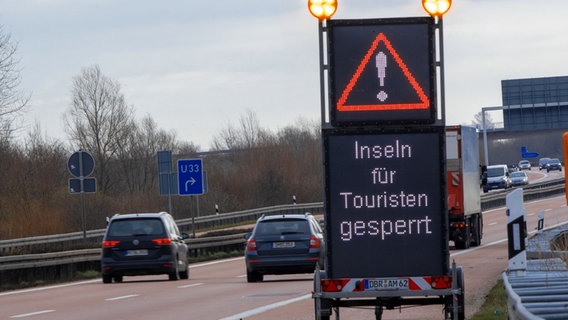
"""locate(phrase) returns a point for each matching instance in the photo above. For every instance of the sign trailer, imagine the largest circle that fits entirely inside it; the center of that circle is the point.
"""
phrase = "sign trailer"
(385, 200)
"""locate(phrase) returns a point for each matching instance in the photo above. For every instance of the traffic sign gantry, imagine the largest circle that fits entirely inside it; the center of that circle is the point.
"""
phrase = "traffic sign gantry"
(382, 71)
(190, 177)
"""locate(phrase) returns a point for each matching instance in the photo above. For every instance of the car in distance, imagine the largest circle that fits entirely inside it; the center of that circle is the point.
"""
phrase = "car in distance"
(542, 163)
(284, 244)
(553, 164)
(143, 244)
(519, 178)
(524, 165)
(497, 177)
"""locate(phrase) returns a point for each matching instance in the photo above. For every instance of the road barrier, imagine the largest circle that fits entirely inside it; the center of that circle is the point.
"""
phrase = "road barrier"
(75, 240)
(536, 280)
(23, 255)
(540, 291)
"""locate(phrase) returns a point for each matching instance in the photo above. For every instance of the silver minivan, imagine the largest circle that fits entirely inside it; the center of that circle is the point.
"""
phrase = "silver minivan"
(497, 177)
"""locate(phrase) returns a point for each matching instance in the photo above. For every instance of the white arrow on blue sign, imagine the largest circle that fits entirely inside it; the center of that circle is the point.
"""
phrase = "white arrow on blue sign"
(190, 177)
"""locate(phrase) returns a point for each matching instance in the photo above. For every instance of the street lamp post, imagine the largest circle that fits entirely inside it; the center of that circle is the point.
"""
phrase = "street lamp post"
(322, 10)
(436, 9)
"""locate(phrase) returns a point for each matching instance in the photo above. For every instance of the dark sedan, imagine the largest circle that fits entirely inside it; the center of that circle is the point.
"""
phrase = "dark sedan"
(284, 244)
(553, 164)
(142, 244)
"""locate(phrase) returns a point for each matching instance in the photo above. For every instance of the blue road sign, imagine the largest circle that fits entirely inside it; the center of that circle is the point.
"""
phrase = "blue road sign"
(81, 164)
(526, 154)
(190, 177)
(82, 185)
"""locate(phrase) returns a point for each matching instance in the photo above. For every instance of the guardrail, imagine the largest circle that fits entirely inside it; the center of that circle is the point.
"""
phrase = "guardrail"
(540, 291)
(197, 246)
(533, 191)
(75, 240)
(537, 295)
(11, 259)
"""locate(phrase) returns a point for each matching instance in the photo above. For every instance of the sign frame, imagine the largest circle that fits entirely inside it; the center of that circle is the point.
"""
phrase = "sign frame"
(339, 169)
(81, 164)
(190, 177)
(410, 96)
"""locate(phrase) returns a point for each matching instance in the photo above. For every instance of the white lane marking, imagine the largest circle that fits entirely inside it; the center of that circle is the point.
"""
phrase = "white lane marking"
(122, 297)
(47, 288)
(99, 280)
(265, 308)
(31, 314)
(546, 210)
(190, 285)
(532, 201)
(502, 240)
(215, 262)
(493, 223)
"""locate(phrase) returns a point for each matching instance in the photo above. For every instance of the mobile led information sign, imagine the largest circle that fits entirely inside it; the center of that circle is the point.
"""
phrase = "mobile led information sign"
(382, 71)
(385, 203)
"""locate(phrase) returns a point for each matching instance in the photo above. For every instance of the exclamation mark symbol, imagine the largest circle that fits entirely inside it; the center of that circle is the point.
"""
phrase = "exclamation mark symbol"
(381, 64)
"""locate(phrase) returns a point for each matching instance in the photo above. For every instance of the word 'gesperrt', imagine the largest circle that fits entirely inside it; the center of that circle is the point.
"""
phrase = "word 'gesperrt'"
(384, 228)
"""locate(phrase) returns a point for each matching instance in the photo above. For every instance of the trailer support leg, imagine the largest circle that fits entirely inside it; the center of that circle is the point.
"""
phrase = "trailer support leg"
(379, 310)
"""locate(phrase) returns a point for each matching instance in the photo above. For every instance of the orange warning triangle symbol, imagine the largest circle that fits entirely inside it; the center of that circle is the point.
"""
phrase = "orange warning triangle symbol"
(343, 105)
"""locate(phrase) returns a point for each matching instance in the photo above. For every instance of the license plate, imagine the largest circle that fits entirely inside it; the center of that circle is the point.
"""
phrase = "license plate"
(140, 252)
(284, 244)
(385, 284)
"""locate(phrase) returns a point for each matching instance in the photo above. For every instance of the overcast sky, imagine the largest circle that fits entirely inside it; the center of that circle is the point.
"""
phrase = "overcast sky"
(196, 66)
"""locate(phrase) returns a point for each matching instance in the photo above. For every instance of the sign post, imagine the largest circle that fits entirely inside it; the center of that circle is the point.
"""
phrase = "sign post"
(191, 181)
(190, 177)
(81, 164)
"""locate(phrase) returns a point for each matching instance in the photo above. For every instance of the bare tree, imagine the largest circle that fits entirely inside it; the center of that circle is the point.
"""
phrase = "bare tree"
(248, 134)
(137, 158)
(478, 121)
(99, 120)
(12, 101)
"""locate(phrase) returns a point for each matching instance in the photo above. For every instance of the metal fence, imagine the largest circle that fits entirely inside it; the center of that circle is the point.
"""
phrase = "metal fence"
(540, 291)
(71, 248)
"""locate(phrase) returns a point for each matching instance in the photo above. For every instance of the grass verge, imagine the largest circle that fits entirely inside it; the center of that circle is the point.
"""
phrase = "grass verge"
(495, 305)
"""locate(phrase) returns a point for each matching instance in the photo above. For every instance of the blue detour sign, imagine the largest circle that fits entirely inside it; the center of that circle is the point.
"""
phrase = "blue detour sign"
(526, 154)
(190, 177)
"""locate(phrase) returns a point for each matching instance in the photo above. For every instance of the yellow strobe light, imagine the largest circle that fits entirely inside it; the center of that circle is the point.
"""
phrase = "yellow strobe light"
(436, 8)
(322, 9)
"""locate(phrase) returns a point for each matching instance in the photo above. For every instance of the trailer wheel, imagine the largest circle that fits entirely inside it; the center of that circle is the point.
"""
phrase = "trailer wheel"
(322, 306)
(459, 299)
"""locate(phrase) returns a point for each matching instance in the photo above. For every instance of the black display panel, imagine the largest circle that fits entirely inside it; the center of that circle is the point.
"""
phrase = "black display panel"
(382, 71)
(385, 203)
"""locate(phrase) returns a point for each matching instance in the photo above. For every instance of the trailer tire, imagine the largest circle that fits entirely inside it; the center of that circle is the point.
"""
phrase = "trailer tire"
(460, 299)
(322, 306)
